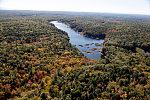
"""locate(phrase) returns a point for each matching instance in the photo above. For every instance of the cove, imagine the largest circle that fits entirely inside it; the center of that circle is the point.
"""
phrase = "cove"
(89, 47)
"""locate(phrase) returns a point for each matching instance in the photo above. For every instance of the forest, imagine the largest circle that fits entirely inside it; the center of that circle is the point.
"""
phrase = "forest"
(37, 62)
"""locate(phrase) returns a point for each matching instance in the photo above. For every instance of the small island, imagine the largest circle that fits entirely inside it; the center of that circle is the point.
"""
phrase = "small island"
(89, 52)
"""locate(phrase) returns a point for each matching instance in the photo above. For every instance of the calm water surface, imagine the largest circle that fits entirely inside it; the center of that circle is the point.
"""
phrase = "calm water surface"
(81, 42)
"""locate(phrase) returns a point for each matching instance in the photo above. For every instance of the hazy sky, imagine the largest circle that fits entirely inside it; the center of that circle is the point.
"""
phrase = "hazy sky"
(113, 6)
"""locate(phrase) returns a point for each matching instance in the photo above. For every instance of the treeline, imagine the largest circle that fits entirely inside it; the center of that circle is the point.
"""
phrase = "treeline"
(123, 73)
(38, 62)
(121, 32)
(90, 27)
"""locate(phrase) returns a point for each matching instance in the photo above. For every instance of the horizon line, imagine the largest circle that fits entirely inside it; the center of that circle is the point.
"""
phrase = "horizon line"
(75, 11)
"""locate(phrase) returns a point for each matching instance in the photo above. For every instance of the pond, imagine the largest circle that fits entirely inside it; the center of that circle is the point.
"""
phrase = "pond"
(91, 48)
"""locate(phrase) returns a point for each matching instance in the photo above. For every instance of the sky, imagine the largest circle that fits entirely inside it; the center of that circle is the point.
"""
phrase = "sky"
(108, 6)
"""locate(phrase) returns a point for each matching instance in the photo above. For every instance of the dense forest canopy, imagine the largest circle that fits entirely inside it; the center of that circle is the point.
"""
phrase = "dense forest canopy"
(38, 62)
(125, 32)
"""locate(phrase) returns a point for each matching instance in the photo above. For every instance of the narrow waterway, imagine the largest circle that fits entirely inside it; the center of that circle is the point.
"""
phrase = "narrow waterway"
(89, 47)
